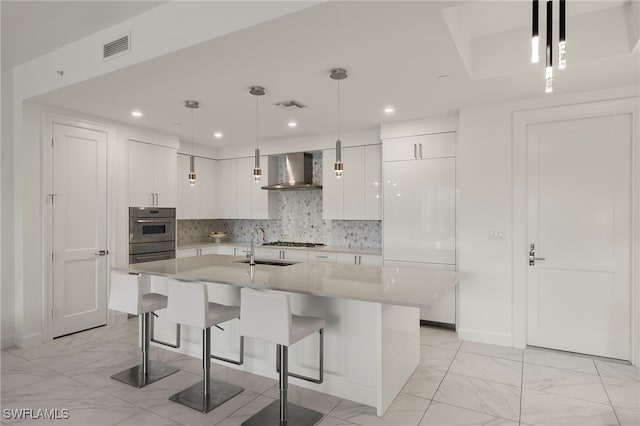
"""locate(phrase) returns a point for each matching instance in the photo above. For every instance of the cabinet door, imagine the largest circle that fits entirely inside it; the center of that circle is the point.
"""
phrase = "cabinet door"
(419, 211)
(188, 196)
(227, 189)
(353, 183)
(209, 250)
(164, 172)
(186, 253)
(300, 255)
(206, 172)
(245, 184)
(267, 253)
(332, 188)
(347, 258)
(397, 149)
(370, 259)
(373, 182)
(264, 204)
(141, 174)
(437, 145)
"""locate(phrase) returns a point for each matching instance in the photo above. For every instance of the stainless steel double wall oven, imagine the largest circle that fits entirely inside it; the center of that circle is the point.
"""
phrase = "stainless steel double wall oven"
(152, 234)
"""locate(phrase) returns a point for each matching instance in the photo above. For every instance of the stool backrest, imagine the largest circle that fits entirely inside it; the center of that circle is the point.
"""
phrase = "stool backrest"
(188, 303)
(125, 293)
(265, 315)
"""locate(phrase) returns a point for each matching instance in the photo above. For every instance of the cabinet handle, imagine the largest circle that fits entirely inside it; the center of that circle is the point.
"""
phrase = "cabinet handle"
(157, 199)
(322, 257)
(355, 260)
(415, 151)
(421, 151)
(359, 260)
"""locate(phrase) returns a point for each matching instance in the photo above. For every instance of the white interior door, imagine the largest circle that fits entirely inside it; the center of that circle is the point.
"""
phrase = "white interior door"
(79, 229)
(579, 188)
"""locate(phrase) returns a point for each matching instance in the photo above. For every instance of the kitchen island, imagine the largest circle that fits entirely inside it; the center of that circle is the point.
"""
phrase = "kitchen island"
(372, 334)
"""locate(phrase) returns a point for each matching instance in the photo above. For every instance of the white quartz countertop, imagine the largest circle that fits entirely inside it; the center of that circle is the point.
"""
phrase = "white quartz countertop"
(408, 286)
(202, 244)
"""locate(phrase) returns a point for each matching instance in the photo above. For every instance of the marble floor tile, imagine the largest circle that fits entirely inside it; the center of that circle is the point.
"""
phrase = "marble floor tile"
(80, 355)
(98, 374)
(307, 398)
(541, 408)
(628, 417)
(488, 368)
(559, 359)
(434, 336)
(442, 414)
(333, 421)
(436, 358)
(55, 389)
(492, 398)
(248, 410)
(618, 371)
(404, 402)
(161, 390)
(18, 372)
(496, 351)
(424, 382)
(564, 382)
(147, 418)
(57, 347)
(365, 416)
(623, 393)
(98, 409)
(252, 382)
(188, 416)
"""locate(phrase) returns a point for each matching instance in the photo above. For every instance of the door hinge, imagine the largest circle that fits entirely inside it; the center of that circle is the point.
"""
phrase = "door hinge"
(51, 142)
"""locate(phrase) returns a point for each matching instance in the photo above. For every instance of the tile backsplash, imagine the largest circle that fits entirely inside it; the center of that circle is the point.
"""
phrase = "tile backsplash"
(299, 219)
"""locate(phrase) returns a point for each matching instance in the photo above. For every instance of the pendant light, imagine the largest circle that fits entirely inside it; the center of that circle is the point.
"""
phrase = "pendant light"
(562, 45)
(338, 74)
(535, 39)
(192, 161)
(257, 91)
(548, 74)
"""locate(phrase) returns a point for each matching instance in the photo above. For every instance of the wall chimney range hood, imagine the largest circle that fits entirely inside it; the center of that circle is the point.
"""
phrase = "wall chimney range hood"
(298, 174)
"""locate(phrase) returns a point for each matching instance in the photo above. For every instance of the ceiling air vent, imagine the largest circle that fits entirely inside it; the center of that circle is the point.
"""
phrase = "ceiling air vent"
(290, 105)
(116, 47)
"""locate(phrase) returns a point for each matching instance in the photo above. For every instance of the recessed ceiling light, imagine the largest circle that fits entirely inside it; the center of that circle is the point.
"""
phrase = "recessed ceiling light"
(136, 113)
(217, 135)
(389, 110)
(443, 76)
(292, 124)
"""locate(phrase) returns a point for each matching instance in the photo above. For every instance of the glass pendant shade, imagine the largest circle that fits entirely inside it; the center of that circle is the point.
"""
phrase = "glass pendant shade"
(257, 171)
(192, 170)
(338, 166)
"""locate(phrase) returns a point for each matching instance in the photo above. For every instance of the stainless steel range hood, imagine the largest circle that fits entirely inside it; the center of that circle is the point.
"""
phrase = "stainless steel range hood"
(298, 174)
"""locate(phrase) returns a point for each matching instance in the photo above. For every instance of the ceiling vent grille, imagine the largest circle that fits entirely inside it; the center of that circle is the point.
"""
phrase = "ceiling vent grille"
(290, 105)
(116, 47)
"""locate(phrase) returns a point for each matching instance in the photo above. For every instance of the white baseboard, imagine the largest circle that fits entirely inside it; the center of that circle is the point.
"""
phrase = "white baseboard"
(7, 341)
(28, 341)
(482, 336)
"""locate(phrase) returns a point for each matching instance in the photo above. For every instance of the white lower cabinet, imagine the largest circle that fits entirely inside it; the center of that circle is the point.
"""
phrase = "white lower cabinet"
(322, 256)
(359, 259)
(233, 250)
(281, 254)
(190, 252)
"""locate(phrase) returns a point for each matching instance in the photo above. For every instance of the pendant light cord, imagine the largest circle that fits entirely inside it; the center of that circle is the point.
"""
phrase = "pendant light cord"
(257, 122)
(192, 138)
(338, 109)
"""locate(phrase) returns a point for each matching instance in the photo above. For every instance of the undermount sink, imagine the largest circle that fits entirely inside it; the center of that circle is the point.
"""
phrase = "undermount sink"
(268, 262)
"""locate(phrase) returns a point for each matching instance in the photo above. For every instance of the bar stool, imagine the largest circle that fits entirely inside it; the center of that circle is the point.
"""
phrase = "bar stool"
(266, 315)
(127, 295)
(189, 305)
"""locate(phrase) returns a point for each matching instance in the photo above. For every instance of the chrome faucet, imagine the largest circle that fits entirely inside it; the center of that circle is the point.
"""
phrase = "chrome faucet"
(252, 253)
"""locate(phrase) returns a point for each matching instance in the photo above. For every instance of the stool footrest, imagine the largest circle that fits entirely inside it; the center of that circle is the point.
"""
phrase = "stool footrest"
(320, 378)
(160, 342)
(296, 416)
(233, 361)
(135, 376)
(193, 396)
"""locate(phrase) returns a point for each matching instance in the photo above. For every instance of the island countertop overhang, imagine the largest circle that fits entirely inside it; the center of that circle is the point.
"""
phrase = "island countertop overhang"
(395, 285)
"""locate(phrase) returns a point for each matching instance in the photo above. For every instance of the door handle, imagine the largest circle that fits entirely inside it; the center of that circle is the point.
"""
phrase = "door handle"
(532, 255)
(102, 253)
(415, 151)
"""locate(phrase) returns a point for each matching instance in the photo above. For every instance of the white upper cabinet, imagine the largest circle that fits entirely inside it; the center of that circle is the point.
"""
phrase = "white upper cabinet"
(244, 185)
(152, 175)
(196, 201)
(264, 204)
(355, 196)
(421, 147)
(227, 189)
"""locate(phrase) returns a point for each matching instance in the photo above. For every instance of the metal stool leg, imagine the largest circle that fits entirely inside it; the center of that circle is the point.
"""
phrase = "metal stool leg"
(206, 395)
(148, 371)
(282, 412)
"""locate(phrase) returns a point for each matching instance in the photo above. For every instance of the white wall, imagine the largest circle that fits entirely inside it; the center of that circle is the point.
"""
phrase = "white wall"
(485, 204)
(6, 214)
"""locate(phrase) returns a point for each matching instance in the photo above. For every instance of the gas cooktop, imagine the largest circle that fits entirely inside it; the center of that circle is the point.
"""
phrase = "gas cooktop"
(292, 244)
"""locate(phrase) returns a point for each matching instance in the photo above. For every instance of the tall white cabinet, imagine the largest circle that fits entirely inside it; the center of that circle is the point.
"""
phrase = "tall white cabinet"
(420, 208)
(196, 201)
(357, 194)
(152, 175)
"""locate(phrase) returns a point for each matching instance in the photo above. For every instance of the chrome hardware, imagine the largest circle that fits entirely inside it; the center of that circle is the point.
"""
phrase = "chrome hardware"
(102, 253)
(415, 151)
(532, 255)
(420, 151)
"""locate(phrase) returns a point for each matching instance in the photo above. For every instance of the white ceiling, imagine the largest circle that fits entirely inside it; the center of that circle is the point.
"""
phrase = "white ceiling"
(393, 51)
(33, 28)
